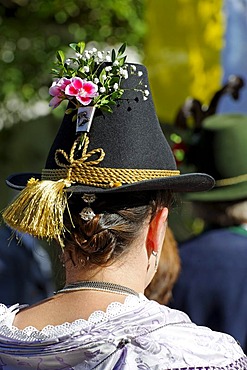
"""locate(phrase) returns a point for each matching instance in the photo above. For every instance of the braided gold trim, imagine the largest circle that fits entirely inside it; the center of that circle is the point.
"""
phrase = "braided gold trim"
(54, 175)
(84, 170)
(231, 180)
(106, 177)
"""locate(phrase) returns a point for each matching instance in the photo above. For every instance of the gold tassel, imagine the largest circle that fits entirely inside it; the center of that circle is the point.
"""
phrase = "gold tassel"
(39, 208)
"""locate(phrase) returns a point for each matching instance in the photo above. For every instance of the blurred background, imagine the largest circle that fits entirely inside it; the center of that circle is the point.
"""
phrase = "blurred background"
(189, 46)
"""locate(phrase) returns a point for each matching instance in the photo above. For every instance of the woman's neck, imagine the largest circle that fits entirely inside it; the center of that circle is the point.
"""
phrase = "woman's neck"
(129, 272)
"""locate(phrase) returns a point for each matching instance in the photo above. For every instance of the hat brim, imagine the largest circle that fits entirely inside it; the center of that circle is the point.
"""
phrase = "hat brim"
(221, 194)
(193, 182)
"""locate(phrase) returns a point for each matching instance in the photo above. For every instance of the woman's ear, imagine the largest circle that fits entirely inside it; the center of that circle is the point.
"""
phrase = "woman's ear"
(154, 242)
(156, 231)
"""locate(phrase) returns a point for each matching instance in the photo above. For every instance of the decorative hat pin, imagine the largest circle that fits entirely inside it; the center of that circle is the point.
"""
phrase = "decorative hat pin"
(109, 141)
(87, 214)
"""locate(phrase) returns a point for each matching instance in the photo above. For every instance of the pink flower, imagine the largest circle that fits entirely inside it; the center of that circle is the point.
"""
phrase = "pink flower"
(57, 91)
(83, 90)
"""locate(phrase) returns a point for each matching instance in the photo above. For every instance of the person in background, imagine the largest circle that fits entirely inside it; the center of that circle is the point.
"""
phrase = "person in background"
(160, 288)
(25, 269)
(212, 286)
(104, 197)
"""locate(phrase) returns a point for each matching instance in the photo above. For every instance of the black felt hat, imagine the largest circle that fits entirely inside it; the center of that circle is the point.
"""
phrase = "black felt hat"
(109, 141)
(131, 138)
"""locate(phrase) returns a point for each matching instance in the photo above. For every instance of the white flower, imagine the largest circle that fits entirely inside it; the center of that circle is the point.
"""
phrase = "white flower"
(87, 54)
(146, 92)
(115, 86)
(108, 68)
(102, 89)
(145, 98)
(86, 69)
(133, 67)
(104, 77)
(99, 55)
(68, 61)
(96, 80)
(79, 56)
(140, 73)
(108, 58)
(94, 50)
(116, 63)
(124, 73)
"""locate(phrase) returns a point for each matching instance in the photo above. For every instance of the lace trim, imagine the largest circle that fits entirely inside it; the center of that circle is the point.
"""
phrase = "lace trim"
(30, 333)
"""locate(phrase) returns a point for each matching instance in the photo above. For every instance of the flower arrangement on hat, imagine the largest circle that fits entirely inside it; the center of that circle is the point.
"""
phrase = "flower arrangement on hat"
(92, 77)
(89, 80)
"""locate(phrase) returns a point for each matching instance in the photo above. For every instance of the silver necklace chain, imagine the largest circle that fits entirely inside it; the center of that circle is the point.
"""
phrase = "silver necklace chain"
(99, 286)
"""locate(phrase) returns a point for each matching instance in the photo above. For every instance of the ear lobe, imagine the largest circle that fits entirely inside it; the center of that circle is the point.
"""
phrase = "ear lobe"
(156, 231)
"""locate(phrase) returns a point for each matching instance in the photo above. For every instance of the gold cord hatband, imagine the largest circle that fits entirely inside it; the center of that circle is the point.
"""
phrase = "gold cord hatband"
(105, 177)
(84, 171)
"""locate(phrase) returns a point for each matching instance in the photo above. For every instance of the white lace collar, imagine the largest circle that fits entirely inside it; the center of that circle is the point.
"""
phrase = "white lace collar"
(30, 333)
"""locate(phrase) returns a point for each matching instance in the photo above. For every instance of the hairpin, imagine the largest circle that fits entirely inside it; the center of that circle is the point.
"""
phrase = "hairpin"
(87, 214)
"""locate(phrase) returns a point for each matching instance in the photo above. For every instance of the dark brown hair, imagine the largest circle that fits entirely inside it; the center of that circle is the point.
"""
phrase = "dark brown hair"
(117, 223)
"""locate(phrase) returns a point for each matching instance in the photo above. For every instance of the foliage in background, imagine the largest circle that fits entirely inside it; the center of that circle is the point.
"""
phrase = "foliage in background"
(32, 30)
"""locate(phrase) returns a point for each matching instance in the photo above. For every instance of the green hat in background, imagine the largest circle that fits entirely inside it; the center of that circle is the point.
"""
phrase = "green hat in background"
(215, 144)
(221, 151)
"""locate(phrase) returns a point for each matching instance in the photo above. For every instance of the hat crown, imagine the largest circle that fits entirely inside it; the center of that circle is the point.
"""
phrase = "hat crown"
(131, 136)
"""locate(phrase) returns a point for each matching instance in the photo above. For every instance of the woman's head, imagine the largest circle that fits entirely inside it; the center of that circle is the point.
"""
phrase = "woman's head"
(119, 220)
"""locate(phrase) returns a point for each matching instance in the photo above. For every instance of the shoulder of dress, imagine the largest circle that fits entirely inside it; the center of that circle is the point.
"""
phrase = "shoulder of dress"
(7, 313)
(7, 310)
